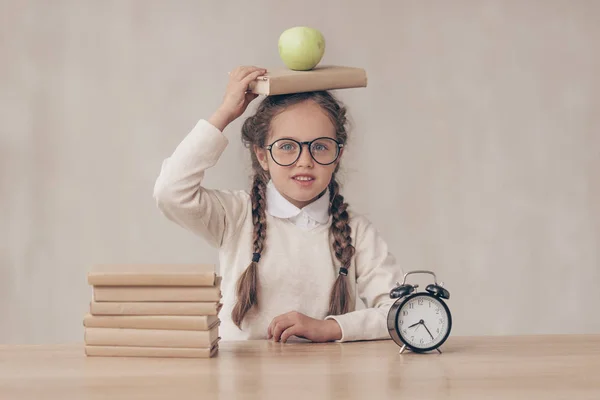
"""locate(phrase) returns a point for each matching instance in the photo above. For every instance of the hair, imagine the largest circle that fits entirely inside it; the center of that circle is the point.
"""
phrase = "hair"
(255, 132)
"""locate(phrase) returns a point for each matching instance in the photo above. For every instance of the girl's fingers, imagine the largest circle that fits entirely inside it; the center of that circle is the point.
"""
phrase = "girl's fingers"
(289, 332)
(272, 325)
(240, 73)
(279, 328)
(252, 76)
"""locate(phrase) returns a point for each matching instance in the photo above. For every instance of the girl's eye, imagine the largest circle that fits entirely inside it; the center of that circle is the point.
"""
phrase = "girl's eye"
(323, 145)
(287, 146)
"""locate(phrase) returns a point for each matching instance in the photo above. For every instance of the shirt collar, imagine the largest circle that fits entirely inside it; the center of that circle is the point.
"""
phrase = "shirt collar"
(278, 206)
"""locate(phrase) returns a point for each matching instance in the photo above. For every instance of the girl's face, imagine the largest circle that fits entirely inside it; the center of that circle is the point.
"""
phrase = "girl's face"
(301, 182)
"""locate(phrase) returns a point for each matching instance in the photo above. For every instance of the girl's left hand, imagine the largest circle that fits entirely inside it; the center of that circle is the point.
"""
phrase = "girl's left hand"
(298, 324)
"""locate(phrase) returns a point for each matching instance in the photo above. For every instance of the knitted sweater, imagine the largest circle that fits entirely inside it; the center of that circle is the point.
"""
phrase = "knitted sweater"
(297, 268)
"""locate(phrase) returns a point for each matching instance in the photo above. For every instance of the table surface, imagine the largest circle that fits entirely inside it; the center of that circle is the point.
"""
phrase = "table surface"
(497, 367)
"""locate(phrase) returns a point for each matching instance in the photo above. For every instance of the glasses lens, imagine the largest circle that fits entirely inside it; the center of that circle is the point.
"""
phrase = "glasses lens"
(324, 151)
(285, 151)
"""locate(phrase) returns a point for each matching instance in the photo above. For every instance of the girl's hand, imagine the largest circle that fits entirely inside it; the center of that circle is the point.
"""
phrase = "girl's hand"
(295, 323)
(236, 98)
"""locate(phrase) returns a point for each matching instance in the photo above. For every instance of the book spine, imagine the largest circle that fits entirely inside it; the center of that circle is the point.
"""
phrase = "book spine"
(155, 308)
(99, 279)
(320, 79)
(148, 293)
(149, 337)
(189, 323)
(162, 352)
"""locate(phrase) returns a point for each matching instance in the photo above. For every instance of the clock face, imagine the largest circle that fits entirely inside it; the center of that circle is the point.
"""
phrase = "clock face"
(423, 322)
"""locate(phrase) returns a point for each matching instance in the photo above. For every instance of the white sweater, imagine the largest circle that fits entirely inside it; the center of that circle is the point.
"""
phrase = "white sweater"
(297, 268)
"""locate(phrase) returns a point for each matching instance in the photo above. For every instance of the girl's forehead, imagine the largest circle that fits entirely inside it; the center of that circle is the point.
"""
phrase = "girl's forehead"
(302, 122)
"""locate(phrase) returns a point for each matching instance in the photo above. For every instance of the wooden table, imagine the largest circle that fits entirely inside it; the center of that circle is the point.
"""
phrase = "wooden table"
(526, 367)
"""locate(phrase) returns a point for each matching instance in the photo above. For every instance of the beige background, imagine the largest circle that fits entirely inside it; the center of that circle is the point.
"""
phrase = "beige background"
(475, 148)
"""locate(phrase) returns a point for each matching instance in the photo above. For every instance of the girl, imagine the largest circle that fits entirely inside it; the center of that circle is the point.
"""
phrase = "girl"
(292, 257)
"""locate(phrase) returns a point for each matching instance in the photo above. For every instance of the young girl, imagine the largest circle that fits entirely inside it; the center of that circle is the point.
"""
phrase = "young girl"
(292, 257)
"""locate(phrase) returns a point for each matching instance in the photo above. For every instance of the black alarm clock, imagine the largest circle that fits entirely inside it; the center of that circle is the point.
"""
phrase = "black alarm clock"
(419, 321)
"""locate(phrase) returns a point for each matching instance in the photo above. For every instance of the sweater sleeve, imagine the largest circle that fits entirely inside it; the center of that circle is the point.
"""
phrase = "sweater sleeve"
(214, 215)
(376, 274)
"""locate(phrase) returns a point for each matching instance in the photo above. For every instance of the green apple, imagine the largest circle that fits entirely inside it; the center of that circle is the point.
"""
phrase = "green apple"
(301, 48)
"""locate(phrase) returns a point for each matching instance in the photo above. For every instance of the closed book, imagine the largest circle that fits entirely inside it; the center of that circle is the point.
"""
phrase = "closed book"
(326, 77)
(162, 352)
(152, 275)
(169, 322)
(155, 308)
(159, 293)
(150, 293)
(150, 337)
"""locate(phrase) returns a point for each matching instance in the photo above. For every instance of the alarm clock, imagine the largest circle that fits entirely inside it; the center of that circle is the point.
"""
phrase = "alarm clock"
(419, 321)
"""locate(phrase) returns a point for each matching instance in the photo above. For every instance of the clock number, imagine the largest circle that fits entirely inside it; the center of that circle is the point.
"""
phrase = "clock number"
(441, 320)
(421, 341)
(401, 322)
(438, 330)
(411, 305)
(437, 310)
(412, 338)
(404, 331)
(404, 313)
(420, 302)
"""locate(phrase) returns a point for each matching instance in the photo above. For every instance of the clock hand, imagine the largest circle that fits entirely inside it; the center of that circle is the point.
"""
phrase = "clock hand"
(414, 324)
(428, 330)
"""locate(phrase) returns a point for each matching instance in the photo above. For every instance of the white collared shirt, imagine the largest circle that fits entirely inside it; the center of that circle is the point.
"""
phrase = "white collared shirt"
(306, 218)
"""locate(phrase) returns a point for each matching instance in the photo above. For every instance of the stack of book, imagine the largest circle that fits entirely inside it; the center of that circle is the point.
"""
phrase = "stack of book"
(153, 310)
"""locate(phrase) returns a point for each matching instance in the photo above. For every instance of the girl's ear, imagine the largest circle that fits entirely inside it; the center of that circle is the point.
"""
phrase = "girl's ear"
(261, 155)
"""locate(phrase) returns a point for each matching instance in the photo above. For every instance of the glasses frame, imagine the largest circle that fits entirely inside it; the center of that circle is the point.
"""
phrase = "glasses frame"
(309, 145)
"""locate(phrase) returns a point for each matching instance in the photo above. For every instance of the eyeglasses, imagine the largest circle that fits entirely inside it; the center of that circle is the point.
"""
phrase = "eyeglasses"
(323, 150)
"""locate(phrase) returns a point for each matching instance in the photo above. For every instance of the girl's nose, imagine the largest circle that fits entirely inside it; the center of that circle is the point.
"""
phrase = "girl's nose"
(305, 159)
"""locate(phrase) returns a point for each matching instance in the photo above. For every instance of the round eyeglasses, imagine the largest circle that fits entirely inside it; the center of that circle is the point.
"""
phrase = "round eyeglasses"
(323, 150)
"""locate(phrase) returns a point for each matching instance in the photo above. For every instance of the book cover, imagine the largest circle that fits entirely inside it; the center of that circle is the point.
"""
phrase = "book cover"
(155, 308)
(159, 293)
(161, 352)
(152, 275)
(150, 337)
(169, 322)
(326, 77)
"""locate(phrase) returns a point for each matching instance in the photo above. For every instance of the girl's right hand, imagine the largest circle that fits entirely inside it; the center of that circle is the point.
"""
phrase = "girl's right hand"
(236, 98)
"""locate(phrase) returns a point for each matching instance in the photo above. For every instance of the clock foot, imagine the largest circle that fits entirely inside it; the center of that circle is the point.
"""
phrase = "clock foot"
(404, 348)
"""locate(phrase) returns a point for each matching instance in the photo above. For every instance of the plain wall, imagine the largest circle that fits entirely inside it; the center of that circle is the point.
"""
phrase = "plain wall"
(475, 148)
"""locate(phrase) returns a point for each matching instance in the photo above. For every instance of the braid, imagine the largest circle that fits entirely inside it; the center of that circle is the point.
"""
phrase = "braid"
(247, 285)
(343, 248)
